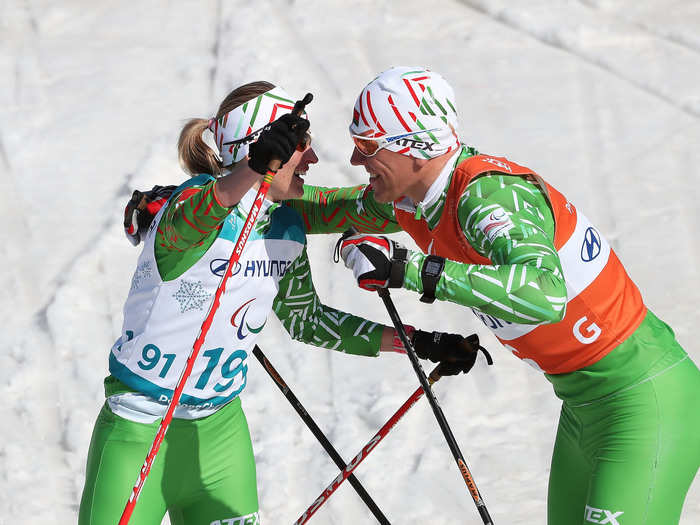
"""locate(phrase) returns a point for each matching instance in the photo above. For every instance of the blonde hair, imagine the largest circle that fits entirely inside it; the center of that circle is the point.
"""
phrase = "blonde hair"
(195, 156)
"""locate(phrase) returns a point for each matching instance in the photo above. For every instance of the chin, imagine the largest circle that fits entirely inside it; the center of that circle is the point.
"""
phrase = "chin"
(296, 192)
(382, 197)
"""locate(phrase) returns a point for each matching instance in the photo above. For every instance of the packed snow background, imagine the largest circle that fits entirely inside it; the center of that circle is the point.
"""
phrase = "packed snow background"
(601, 97)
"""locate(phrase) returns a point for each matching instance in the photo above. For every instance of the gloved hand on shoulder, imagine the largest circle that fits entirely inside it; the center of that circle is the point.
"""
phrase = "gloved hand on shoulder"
(141, 209)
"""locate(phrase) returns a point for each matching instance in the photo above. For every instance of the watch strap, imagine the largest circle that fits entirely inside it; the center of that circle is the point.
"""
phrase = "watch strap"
(430, 273)
(399, 257)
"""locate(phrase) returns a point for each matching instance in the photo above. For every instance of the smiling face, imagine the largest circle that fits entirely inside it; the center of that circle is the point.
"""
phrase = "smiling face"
(288, 182)
(391, 174)
(406, 115)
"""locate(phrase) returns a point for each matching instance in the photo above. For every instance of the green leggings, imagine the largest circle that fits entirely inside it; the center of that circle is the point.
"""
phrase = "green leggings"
(628, 443)
(204, 473)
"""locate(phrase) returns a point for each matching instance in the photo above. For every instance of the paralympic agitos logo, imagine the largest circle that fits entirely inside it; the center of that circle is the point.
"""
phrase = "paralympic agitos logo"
(242, 322)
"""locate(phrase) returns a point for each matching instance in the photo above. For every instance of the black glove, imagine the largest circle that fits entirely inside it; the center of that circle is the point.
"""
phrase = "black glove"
(454, 353)
(278, 140)
(141, 209)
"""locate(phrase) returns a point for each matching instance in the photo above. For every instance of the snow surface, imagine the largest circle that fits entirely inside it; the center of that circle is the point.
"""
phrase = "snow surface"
(601, 97)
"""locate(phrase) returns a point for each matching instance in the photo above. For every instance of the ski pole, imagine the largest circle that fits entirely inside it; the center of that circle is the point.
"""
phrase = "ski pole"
(442, 420)
(206, 324)
(359, 458)
(318, 433)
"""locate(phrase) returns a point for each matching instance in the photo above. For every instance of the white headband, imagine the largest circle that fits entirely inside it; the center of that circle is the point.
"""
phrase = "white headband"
(237, 129)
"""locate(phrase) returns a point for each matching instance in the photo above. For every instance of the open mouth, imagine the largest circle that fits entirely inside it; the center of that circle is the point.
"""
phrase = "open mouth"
(299, 173)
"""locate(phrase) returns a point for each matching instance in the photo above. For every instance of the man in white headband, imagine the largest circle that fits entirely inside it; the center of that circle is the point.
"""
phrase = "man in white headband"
(496, 238)
(409, 111)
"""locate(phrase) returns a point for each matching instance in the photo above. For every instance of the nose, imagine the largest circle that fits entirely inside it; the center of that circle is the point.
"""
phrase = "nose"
(357, 158)
(310, 156)
(313, 158)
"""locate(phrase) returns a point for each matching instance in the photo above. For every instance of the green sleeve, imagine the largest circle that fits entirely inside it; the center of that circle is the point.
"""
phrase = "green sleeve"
(187, 229)
(308, 320)
(334, 210)
(525, 284)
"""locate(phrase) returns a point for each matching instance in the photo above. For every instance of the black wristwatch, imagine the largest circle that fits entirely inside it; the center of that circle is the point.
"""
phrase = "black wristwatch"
(430, 275)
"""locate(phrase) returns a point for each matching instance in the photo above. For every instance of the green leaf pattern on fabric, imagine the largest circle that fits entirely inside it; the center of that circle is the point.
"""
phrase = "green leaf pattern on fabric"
(334, 210)
(308, 320)
(525, 284)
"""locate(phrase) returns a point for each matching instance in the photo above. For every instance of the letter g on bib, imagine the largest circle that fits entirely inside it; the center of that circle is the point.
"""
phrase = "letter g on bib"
(592, 329)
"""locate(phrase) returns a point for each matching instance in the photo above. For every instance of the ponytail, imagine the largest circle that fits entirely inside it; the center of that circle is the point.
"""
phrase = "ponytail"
(195, 156)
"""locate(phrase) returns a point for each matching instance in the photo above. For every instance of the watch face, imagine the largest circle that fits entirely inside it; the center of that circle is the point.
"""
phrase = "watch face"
(433, 267)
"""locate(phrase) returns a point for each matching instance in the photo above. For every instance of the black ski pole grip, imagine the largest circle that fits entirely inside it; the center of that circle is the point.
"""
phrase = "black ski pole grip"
(299, 105)
(298, 109)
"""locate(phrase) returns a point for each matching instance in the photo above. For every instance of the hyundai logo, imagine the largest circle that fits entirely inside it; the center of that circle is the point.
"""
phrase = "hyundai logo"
(218, 267)
(590, 249)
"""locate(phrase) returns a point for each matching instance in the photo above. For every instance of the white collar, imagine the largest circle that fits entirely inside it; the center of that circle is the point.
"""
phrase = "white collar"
(436, 188)
(246, 202)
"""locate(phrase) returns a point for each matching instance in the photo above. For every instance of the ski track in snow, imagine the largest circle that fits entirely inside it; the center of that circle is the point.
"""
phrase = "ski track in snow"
(561, 33)
(652, 28)
(63, 324)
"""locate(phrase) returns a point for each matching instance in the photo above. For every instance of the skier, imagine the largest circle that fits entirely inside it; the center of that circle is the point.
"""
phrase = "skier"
(205, 472)
(500, 240)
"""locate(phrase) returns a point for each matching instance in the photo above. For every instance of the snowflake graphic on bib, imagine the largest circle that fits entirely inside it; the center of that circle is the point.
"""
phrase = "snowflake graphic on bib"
(191, 295)
(143, 272)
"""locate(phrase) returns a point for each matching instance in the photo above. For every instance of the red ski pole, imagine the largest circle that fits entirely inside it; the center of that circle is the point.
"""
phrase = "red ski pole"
(355, 462)
(221, 288)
